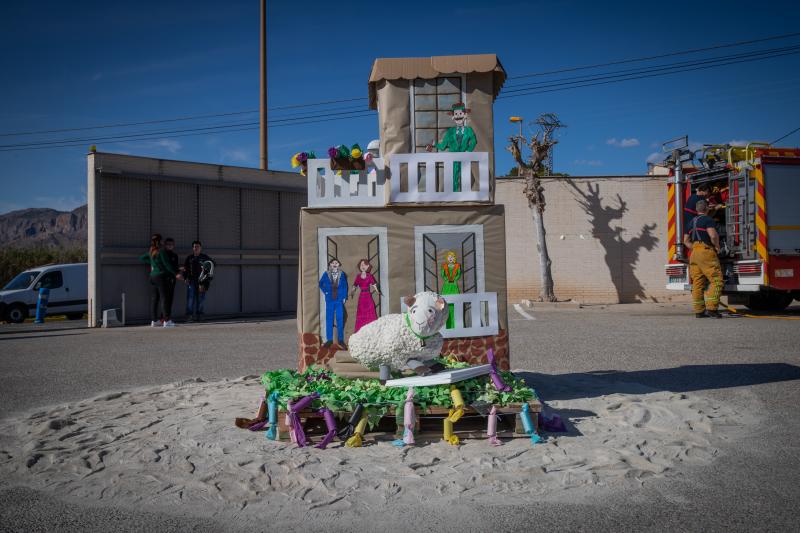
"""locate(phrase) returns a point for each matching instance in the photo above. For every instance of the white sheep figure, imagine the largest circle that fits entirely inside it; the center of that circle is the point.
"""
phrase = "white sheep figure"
(400, 341)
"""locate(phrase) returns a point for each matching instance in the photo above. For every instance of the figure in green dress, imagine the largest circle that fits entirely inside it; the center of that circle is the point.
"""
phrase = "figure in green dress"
(459, 138)
(451, 272)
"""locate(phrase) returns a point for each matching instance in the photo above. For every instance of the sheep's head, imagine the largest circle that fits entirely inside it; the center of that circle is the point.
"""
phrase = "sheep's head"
(427, 312)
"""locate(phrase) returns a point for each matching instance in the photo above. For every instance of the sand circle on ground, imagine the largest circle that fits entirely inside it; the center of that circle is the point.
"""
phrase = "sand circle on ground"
(176, 444)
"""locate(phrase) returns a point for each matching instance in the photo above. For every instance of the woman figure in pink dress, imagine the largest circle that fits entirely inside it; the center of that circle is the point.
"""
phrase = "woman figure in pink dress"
(366, 284)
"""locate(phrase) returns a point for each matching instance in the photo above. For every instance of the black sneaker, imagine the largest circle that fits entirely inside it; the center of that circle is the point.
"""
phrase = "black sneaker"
(713, 314)
(701, 315)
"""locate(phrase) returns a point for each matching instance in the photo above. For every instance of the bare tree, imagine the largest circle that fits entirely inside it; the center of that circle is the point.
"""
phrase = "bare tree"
(532, 170)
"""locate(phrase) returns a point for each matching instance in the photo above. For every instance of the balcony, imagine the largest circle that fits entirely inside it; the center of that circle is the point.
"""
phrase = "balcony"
(413, 179)
(474, 314)
(346, 188)
(428, 177)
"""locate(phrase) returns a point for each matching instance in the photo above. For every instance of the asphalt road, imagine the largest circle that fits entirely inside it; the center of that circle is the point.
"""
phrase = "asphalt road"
(754, 363)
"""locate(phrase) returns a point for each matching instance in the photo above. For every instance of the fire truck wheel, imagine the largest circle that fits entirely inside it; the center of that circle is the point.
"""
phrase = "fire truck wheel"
(769, 301)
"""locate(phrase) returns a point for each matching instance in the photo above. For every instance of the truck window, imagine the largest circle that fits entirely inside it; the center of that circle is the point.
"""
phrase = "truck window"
(51, 280)
(21, 281)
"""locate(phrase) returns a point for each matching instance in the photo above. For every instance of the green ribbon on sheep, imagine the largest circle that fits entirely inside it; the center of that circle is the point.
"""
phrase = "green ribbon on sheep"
(342, 394)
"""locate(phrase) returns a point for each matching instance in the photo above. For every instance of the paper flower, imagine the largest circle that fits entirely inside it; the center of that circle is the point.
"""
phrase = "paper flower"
(296, 160)
(333, 152)
(355, 152)
(344, 151)
(312, 155)
(302, 157)
(368, 158)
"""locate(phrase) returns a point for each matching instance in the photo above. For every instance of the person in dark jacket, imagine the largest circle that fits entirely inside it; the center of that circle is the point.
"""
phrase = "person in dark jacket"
(197, 270)
(163, 262)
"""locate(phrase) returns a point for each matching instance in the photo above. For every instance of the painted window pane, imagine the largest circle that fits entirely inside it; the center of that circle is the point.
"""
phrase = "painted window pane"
(446, 101)
(432, 100)
(425, 136)
(449, 85)
(424, 86)
(425, 119)
(425, 102)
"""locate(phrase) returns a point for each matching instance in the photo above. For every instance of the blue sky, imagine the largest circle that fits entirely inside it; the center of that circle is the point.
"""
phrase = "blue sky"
(75, 64)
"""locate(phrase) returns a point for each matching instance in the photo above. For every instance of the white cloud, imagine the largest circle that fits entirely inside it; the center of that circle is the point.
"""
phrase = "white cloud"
(236, 155)
(171, 145)
(623, 143)
(588, 162)
(656, 157)
(739, 142)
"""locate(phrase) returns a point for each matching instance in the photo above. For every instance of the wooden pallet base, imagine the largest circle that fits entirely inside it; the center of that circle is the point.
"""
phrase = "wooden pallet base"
(429, 426)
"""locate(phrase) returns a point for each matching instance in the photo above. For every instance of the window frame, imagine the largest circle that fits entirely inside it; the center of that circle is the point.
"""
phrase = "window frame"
(480, 259)
(412, 110)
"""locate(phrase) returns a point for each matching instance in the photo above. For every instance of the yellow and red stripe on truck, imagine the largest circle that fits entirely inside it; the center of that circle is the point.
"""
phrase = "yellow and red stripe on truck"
(671, 241)
(761, 220)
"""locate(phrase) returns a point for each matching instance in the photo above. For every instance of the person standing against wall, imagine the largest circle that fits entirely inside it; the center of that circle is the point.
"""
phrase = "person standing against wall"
(170, 261)
(197, 272)
(160, 263)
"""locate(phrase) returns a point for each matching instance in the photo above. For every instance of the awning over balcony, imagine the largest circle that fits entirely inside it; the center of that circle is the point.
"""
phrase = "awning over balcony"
(409, 68)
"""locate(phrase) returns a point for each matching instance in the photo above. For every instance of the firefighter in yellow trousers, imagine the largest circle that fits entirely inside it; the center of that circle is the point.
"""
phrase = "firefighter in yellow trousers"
(702, 239)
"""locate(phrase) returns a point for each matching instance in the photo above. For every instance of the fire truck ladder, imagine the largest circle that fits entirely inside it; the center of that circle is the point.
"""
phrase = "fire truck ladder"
(740, 215)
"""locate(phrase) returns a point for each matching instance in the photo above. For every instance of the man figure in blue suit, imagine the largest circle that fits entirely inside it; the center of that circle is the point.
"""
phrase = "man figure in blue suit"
(333, 285)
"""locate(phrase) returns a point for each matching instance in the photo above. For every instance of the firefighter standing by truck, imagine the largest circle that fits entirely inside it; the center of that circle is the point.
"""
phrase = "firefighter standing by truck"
(702, 239)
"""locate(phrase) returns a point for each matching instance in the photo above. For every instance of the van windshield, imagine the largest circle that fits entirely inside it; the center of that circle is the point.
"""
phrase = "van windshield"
(22, 281)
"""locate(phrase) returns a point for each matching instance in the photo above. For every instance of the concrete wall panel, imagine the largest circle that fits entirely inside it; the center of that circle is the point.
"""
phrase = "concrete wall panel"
(607, 238)
(248, 222)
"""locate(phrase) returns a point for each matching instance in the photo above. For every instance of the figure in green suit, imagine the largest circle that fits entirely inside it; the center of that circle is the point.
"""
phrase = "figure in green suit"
(459, 138)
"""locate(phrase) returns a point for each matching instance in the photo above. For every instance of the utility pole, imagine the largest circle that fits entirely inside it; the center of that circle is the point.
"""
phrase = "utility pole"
(263, 84)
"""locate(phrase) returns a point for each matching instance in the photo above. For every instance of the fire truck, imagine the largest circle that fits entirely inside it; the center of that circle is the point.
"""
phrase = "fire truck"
(755, 200)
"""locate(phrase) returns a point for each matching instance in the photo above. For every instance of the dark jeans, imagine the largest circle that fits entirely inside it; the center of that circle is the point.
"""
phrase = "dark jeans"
(162, 290)
(195, 298)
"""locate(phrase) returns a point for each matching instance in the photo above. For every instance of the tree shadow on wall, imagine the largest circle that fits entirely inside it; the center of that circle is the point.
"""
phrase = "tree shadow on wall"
(621, 256)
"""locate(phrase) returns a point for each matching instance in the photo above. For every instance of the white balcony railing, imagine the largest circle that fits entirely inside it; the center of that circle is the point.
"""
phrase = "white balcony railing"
(346, 188)
(411, 185)
(477, 309)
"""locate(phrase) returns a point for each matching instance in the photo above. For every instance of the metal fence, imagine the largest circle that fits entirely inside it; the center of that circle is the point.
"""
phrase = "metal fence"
(247, 220)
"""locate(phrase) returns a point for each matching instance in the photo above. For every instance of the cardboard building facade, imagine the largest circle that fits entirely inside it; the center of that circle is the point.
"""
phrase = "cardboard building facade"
(422, 212)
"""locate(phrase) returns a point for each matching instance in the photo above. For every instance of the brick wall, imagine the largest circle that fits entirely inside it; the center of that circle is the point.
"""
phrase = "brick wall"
(607, 238)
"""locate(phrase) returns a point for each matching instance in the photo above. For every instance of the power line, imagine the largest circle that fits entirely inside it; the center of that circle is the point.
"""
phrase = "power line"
(141, 137)
(572, 85)
(654, 68)
(660, 56)
(179, 119)
(787, 135)
(157, 133)
(355, 99)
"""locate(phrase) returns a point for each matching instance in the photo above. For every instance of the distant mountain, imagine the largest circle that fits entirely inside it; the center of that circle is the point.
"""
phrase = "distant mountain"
(44, 227)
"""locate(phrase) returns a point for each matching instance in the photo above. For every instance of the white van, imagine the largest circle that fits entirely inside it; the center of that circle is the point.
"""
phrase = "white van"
(68, 286)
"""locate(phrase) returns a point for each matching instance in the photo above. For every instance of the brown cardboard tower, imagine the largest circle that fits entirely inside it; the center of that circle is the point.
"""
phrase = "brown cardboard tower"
(406, 228)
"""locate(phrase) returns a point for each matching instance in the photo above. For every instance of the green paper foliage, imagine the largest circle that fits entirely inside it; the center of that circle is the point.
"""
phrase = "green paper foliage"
(341, 394)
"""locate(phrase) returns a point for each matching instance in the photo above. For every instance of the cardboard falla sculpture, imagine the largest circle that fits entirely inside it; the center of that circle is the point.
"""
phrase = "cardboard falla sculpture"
(415, 215)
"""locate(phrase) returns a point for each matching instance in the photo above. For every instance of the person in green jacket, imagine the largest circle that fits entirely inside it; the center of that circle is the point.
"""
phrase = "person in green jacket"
(459, 138)
(163, 262)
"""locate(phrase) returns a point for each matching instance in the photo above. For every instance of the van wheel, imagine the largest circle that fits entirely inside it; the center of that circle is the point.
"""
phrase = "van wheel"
(17, 313)
(769, 301)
